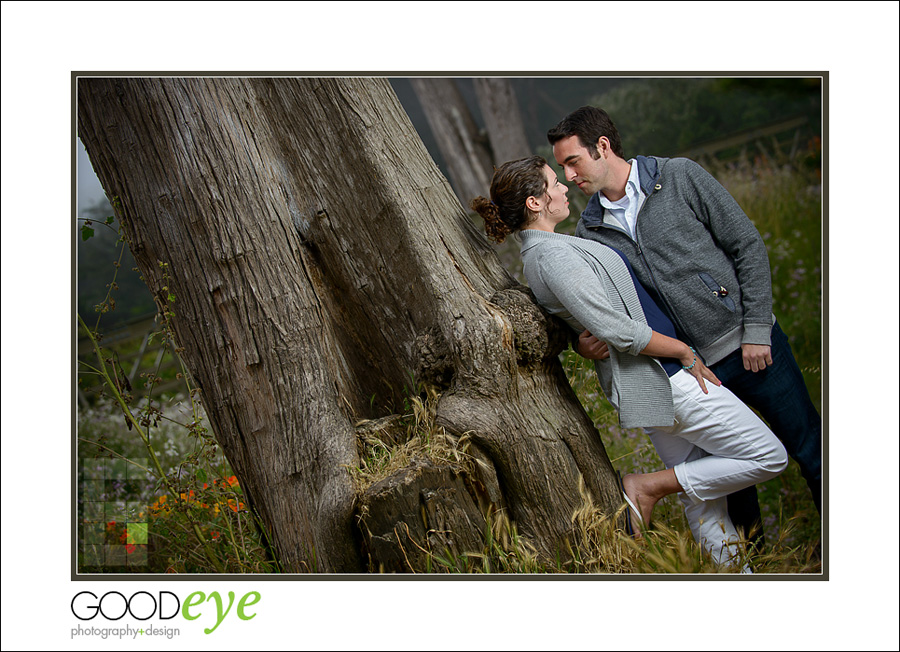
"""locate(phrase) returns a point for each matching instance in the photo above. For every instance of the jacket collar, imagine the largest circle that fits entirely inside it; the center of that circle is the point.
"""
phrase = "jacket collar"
(648, 172)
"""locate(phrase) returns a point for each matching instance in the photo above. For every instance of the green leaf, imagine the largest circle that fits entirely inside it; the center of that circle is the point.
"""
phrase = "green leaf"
(110, 219)
(201, 475)
(86, 232)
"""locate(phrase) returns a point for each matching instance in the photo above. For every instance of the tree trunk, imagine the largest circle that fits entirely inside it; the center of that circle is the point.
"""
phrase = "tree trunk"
(318, 260)
(502, 118)
(465, 151)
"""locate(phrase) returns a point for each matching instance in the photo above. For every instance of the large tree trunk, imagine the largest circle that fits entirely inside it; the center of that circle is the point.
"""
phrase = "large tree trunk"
(318, 258)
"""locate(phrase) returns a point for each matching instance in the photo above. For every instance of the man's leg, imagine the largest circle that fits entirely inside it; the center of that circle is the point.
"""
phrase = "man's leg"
(780, 395)
(743, 508)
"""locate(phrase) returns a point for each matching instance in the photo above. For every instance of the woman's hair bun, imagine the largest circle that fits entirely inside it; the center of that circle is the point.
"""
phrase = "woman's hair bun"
(494, 226)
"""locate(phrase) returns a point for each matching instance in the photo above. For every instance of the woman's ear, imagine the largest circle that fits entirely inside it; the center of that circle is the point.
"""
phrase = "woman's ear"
(533, 204)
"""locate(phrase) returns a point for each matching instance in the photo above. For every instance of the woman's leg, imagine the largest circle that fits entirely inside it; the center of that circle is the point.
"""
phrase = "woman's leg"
(742, 450)
(717, 445)
(708, 519)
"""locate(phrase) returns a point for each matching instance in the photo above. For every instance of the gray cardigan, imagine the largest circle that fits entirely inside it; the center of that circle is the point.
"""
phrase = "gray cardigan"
(589, 287)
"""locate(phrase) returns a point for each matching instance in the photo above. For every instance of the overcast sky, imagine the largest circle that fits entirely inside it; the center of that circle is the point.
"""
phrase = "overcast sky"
(89, 189)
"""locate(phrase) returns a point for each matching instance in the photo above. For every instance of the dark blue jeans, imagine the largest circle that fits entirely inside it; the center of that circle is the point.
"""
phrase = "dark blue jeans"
(780, 396)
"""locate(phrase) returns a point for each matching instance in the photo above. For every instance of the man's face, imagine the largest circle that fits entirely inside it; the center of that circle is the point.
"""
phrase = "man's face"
(589, 174)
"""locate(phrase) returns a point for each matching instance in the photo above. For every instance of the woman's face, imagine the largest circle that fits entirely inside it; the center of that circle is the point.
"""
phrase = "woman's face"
(558, 205)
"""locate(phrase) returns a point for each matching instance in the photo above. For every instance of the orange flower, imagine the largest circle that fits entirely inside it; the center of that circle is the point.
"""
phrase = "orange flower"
(235, 506)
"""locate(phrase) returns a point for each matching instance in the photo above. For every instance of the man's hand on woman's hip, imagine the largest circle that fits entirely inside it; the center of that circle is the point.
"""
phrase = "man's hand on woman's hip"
(591, 348)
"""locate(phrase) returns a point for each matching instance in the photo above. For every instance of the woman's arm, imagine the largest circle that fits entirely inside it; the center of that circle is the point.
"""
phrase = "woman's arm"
(564, 284)
(663, 346)
(579, 291)
(660, 346)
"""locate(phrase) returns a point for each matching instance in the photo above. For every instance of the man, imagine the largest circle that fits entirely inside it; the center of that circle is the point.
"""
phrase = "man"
(702, 259)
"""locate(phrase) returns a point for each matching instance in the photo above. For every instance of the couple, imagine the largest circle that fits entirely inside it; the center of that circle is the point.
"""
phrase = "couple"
(665, 256)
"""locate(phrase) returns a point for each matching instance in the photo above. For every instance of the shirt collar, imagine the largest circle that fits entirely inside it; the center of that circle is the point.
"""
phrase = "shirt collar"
(632, 187)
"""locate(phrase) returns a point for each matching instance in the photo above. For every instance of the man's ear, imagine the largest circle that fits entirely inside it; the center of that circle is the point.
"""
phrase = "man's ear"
(602, 145)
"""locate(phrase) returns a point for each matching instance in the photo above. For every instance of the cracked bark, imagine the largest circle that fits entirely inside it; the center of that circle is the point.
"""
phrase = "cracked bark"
(319, 261)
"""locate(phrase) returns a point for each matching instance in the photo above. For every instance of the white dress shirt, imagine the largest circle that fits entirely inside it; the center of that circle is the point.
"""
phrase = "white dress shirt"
(624, 211)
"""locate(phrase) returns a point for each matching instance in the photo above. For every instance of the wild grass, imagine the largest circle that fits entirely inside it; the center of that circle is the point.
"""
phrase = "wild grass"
(596, 544)
(390, 444)
(191, 519)
(784, 201)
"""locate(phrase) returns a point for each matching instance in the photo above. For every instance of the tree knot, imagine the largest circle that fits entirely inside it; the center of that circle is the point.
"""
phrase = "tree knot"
(537, 335)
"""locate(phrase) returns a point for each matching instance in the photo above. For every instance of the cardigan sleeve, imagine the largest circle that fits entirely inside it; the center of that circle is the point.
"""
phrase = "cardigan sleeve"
(570, 284)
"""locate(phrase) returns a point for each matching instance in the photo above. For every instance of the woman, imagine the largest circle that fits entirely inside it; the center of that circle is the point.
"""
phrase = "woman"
(710, 442)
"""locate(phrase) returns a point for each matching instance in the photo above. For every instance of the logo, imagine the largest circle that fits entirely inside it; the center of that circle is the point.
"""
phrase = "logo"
(86, 606)
(165, 605)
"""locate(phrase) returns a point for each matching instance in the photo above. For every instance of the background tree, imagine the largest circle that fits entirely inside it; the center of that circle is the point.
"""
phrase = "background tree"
(463, 146)
(312, 258)
(469, 152)
(502, 119)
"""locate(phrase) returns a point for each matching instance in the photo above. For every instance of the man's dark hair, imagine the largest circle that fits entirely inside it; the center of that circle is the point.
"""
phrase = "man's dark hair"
(588, 123)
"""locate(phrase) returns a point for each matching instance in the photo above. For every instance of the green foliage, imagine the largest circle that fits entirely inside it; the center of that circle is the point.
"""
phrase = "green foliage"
(192, 518)
(99, 247)
(784, 201)
(664, 116)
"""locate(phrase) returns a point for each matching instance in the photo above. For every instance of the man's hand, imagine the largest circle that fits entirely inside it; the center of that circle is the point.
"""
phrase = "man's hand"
(591, 348)
(756, 356)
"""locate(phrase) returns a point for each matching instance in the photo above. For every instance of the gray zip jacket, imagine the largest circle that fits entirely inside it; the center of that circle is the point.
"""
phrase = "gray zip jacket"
(698, 255)
(589, 287)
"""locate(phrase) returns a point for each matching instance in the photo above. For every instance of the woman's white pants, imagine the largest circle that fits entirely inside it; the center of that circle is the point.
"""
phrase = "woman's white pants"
(716, 446)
